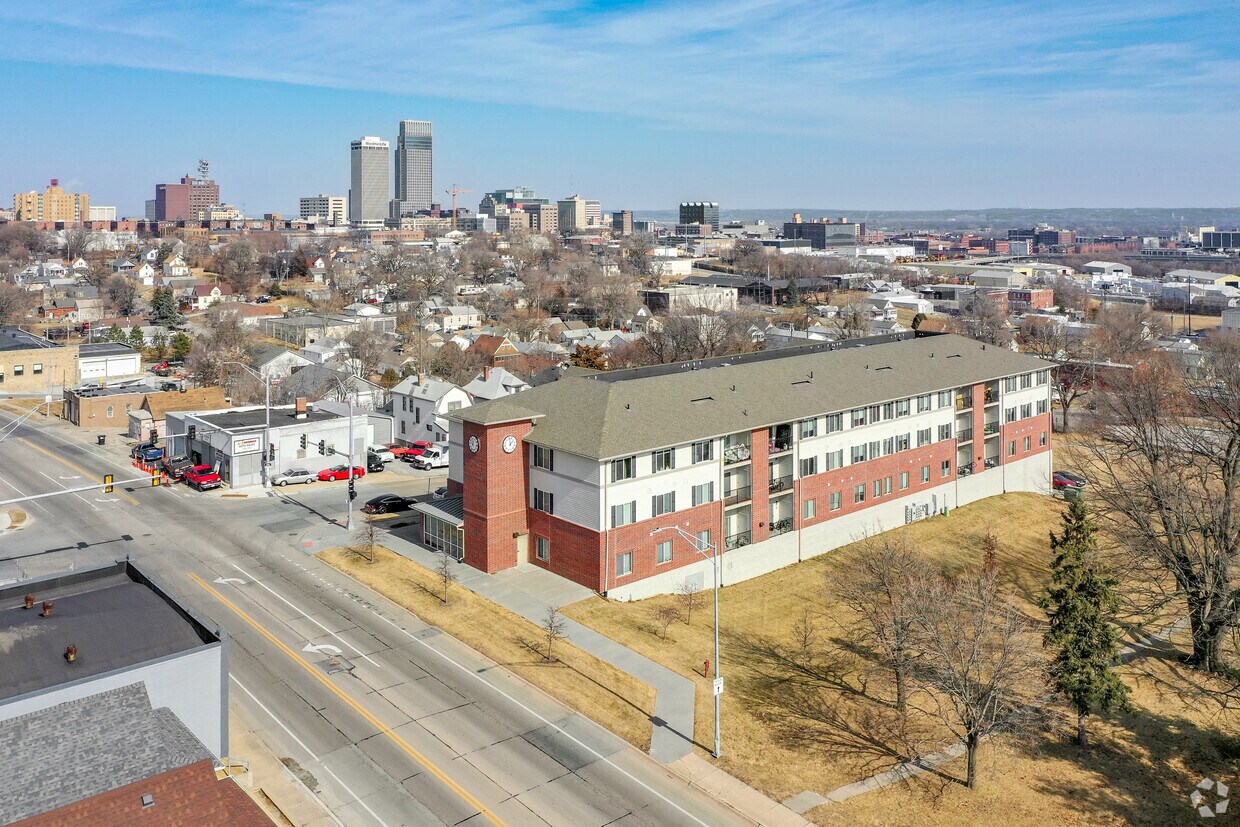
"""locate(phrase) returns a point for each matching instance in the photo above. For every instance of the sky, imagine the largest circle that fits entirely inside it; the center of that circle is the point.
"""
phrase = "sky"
(751, 103)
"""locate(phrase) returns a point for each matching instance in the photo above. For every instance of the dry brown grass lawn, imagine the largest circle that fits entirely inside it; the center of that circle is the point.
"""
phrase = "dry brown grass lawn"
(598, 690)
(1149, 753)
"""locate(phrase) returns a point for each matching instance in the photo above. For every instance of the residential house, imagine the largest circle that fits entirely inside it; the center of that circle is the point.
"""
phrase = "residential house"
(419, 405)
(121, 265)
(203, 296)
(497, 350)
(324, 350)
(175, 266)
(324, 382)
(457, 317)
(148, 419)
(276, 363)
(493, 383)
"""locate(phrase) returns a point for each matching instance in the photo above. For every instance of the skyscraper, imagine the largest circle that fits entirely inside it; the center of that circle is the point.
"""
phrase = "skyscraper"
(700, 212)
(414, 168)
(368, 184)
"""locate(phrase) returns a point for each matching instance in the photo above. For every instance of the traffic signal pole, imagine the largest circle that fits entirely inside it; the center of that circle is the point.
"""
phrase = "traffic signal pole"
(154, 479)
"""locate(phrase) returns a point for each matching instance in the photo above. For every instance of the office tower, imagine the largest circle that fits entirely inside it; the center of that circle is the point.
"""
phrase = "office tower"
(594, 213)
(700, 212)
(333, 209)
(544, 218)
(414, 167)
(53, 205)
(369, 164)
(622, 222)
(98, 213)
(572, 214)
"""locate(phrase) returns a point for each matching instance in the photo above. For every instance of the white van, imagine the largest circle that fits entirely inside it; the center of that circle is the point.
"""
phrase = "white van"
(434, 457)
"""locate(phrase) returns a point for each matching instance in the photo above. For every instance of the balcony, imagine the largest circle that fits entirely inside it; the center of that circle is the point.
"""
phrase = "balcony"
(992, 394)
(964, 435)
(781, 526)
(781, 484)
(992, 428)
(737, 495)
(964, 401)
(737, 540)
(781, 439)
(735, 453)
(964, 470)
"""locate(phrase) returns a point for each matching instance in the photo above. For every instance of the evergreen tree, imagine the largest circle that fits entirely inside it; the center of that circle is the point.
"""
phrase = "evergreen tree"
(159, 346)
(918, 319)
(1080, 604)
(136, 340)
(115, 334)
(164, 310)
(181, 345)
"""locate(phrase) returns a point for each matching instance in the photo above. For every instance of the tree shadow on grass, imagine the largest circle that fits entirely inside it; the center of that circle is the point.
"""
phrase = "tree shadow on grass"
(538, 648)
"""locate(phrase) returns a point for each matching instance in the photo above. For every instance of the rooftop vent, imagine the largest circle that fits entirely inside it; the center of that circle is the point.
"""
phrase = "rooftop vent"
(703, 399)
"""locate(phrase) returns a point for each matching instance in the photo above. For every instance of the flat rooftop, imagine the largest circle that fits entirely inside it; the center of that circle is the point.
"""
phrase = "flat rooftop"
(105, 349)
(257, 418)
(114, 615)
(13, 338)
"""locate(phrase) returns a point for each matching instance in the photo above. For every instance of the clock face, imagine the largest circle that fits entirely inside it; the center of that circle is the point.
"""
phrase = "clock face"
(510, 444)
(473, 444)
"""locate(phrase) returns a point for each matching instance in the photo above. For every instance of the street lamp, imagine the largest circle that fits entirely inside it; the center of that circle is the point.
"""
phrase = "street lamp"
(699, 545)
(266, 380)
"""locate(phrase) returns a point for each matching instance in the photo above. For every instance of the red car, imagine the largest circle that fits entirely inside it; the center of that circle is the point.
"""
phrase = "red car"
(203, 477)
(416, 450)
(399, 451)
(1066, 479)
(340, 472)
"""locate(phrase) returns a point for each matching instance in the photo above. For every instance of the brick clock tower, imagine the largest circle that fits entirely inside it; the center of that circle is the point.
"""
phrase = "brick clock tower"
(495, 494)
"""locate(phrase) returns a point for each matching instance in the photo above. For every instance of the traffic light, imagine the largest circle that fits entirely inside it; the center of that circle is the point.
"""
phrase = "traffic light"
(107, 483)
(192, 432)
(323, 447)
(352, 490)
(271, 453)
(303, 442)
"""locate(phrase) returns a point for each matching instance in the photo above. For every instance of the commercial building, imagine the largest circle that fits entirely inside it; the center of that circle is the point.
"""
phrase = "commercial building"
(517, 221)
(771, 457)
(544, 218)
(700, 212)
(572, 214)
(1224, 240)
(189, 199)
(826, 233)
(332, 209)
(98, 213)
(622, 222)
(414, 168)
(369, 177)
(52, 205)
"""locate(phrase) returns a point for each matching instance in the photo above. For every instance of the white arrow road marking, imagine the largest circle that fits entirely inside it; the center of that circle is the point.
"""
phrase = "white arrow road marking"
(236, 580)
(70, 478)
(105, 500)
(322, 647)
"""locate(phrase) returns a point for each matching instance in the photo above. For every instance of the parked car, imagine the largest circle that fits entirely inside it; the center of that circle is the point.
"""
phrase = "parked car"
(340, 472)
(385, 503)
(382, 452)
(416, 449)
(203, 477)
(175, 467)
(262, 300)
(1066, 479)
(434, 457)
(294, 475)
(147, 452)
(373, 464)
(398, 451)
(169, 386)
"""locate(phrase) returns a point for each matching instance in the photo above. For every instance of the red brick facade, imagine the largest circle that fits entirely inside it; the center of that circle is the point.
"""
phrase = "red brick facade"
(188, 797)
(496, 502)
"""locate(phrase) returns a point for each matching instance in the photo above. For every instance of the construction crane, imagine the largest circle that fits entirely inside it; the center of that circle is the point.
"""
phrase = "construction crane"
(454, 192)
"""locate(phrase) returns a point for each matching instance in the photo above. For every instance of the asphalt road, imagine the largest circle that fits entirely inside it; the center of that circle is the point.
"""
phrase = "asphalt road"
(388, 720)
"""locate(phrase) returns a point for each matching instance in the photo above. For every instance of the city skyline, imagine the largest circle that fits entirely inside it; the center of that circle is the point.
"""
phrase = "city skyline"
(891, 106)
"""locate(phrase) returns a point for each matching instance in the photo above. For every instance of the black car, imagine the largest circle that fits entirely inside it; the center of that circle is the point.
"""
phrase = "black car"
(385, 503)
(373, 463)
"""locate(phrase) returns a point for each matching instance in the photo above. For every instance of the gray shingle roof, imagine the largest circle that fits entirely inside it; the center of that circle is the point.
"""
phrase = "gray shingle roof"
(602, 416)
(79, 749)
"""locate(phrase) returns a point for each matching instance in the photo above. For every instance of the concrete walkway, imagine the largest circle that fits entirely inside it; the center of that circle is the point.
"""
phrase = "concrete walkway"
(529, 591)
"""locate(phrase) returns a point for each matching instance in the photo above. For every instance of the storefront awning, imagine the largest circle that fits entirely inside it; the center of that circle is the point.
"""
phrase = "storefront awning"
(450, 510)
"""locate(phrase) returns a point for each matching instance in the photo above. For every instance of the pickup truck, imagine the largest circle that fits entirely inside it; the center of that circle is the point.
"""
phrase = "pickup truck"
(434, 457)
(175, 467)
(147, 452)
(203, 477)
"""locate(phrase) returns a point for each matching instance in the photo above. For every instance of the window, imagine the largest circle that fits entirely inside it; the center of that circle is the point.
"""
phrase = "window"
(111, 411)
(904, 407)
(835, 459)
(417, 415)
(836, 501)
(542, 548)
(945, 399)
(404, 403)
(945, 470)
(809, 428)
(1026, 410)
(924, 403)
(663, 552)
(835, 422)
(543, 457)
(889, 446)
(1009, 415)
(454, 406)
(925, 473)
(903, 480)
(544, 501)
(38, 367)
(1028, 442)
(1042, 439)
(661, 504)
(878, 489)
(875, 414)
(1043, 377)
(402, 426)
(886, 485)
(858, 417)
(1026, 381)
(623, 514)
(875, 450)
(889, 410)
(1009, 384)
(902, 442)
(703, 451)
(1041, 406)
(623, 469)
(1012, 448)
(809, 466)
(624, 564)
(923, 437)
(808, 510)
(18, 370)
(858, 454)
(664, 460)
(945, 432)
(859, 493)
(704, 493)
(703, 540)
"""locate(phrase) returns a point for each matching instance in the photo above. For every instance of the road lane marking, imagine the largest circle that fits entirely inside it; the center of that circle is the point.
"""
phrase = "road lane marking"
(356, 797)
(321, 648)
(280, 597)
(75, 467)
(62, 486)
(383, 728)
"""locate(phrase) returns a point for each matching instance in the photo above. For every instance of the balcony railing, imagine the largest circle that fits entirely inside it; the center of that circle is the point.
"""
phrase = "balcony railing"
(781, 484)
(992, 428)
(738, 495)
(736, 540)
(992, 462)
(735, 453)
(781, 526)
(964, 435)
(964, 403)
(779, 446)
(965, 469)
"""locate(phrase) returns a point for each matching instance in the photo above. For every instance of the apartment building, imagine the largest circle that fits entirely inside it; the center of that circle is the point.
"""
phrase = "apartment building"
(53, 205)
(334, 209)
(771, 458)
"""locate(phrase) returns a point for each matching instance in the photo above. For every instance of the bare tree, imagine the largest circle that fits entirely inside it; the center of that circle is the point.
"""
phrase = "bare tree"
(366, 347)
(122, 293)
(881, 584)
(239, 266)
(664, 616)
(1073, 373)
(985, 320)
(443, 569)
(76, 239)
(20, 241)
(553, 627)
(454, 365)
(689, 593)
(366, 538)
(1125, 331)
(979, 661)
(228, 341)
(852, 321)
(14, 302)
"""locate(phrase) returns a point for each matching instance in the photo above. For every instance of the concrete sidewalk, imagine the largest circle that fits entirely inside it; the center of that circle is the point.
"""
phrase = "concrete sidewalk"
(529, 591)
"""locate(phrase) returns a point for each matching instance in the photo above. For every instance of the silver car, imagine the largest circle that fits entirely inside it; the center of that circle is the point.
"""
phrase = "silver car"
(294, 475)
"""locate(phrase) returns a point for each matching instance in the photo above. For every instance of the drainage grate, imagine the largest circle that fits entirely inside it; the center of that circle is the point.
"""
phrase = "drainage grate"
(336, 664)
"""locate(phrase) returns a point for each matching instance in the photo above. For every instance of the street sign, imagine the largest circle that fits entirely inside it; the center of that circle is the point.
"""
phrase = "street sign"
(718, 686)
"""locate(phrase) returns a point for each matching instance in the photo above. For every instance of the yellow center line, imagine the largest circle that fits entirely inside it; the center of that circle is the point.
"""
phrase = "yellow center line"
(358, 708)
(75, 467)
